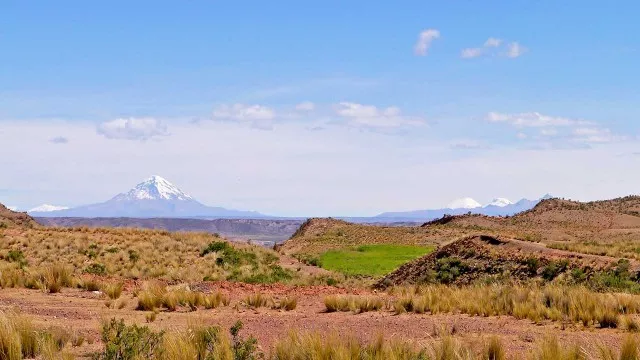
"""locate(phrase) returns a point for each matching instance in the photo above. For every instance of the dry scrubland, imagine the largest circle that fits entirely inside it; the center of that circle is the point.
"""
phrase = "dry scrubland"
(482, 294)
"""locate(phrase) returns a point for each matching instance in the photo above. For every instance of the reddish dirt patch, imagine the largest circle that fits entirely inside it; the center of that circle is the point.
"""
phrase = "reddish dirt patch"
(82, 311)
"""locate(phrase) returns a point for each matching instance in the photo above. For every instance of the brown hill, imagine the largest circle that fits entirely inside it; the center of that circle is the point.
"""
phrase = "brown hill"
(468, 259)
(9, 218)
(609, 227)
(318, 235)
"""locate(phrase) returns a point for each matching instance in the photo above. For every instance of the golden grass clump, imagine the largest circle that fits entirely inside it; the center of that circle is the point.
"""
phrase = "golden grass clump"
(553, 302)
(354, 303)
(316, 346)
(214, 300)
(150, 296)
(55, 277)
(257, 300)
(113, 290)
(494, 350)
(550, 349)
(90, 284)
(19, 339)
(286, 304)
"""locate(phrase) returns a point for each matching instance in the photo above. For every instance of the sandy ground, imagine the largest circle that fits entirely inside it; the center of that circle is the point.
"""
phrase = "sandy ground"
(82, 311)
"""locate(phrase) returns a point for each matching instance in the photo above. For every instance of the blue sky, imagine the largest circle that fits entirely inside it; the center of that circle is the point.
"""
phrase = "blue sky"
(319, 108)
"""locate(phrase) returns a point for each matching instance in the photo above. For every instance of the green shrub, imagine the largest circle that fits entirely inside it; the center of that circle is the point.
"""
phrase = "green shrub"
(122, 342)
(243, 349)
(214, 247)
(448, 269)
(96, 269)
(17, 256)
(553, 269)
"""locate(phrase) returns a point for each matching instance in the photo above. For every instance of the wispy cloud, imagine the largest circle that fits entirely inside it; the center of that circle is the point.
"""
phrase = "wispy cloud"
(533, 119)
(494, 46)
(370, 116)
(555, 128)
(59, 140)
(425, 39)
(515, 50)
(257, 116)
(305, 106)
(132, 129)
(470, 53)
(467, 144)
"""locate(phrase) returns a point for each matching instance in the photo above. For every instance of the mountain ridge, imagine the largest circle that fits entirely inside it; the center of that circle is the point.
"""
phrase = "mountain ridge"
(154, 197)
(497, 207)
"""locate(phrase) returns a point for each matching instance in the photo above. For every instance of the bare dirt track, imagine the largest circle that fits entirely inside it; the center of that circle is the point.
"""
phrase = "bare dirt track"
(82, 311)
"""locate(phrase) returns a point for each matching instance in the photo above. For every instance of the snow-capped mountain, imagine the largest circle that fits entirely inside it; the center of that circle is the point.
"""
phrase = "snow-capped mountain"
(497, 207)
(154, 197)
(464, 203)
(500, 202)
(12, 208)
(154, 188)
(47, 208)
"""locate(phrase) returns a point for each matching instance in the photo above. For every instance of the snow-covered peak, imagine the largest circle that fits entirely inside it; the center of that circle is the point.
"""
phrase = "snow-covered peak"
(500, 202)
(464, 203)
(12, 208)
(47, 208)
(154, 188)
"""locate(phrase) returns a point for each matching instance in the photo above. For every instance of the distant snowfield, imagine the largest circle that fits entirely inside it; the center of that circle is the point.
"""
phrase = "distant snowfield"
(464, 203)
(47, 208)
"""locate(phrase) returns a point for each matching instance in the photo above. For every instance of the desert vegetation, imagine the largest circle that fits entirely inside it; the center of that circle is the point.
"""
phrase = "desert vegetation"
(135, 254)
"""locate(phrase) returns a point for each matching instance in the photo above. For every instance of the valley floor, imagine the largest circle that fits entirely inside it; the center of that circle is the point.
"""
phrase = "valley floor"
(83, 311)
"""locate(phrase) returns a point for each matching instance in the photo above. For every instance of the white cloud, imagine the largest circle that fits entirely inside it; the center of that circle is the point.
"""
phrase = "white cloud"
(532, 119)
(493, 42)
(596, 135)
(258, 116)
(491, 47)
(515, 50)
(306, 106)
(576, 131)
(370, 116)
(425, 39)
(548, 132)
(337, 171)
(132, 129)
(470, 53)
(242, 112)
(12, 208)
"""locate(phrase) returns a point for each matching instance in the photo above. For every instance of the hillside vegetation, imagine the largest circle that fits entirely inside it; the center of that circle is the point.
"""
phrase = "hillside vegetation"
(137, 254)
(317, 236)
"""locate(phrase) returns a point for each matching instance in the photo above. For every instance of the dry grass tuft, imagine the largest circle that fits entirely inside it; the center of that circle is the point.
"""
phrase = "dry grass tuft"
(355, 303)
(553, 302)
(113, 290)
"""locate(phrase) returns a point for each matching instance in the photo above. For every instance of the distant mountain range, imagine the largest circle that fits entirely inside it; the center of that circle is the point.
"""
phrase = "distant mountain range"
(158, 198)
(497, 207)
(153, 198)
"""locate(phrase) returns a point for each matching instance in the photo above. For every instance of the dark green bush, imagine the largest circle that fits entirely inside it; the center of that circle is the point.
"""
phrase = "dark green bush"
(122, 342)
(554, 268)
(448, 269)
(215, 246)
(96, 269)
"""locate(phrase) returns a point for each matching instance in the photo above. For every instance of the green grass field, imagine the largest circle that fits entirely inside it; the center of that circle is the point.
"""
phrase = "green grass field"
(372, 260)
